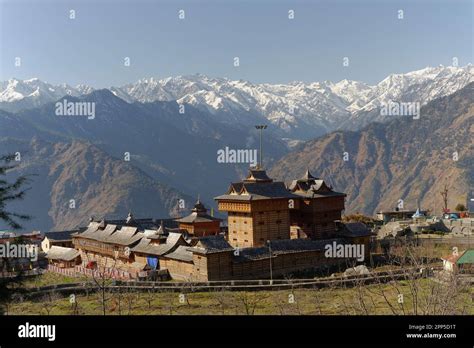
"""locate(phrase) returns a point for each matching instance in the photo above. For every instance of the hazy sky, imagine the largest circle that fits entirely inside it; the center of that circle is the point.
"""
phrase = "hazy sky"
(272, 48)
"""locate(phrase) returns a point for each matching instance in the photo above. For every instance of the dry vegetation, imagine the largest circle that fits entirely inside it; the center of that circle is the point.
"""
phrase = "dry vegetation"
(419, 296)
(416, 294)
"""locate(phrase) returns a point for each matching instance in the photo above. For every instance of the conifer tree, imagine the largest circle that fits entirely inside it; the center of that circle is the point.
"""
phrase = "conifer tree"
(9, 192)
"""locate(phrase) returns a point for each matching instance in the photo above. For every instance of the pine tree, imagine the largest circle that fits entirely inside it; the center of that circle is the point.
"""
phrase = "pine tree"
(10, 192)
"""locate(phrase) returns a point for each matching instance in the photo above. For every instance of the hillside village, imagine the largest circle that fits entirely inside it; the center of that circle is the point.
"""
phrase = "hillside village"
(273, 230)
(267, 222)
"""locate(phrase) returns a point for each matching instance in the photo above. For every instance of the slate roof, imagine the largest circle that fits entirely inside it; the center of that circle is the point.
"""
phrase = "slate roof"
(96, 233)
(182, 253)
(126, 231)
(307, 176)
(126, 235)
(251, 191)
(257, 186)
(62, 235)
(398, 212)
(257, 175)
(141, 224)
(211, 244)
(61, 253)
(355, 229)
(146, 247)
(92, 227)
(310, 194)
(235, 187)
(198, 214)
(160, 233)
(312, 187)
(7, 234)
(194, 217)
(285, 246)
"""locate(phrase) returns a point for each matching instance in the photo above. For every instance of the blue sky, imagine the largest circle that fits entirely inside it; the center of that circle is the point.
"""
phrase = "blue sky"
(271, 48)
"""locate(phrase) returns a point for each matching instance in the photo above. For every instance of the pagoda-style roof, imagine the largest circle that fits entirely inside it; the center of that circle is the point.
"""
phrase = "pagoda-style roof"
(310, 186)
(160, 233)
(307, 176)
(257, 186)
(257, 175)
(198, 214)
(199, 207)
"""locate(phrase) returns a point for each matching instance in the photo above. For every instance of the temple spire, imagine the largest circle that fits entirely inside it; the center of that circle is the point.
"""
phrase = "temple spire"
(199, 208)
(129, 217)
(307, 176)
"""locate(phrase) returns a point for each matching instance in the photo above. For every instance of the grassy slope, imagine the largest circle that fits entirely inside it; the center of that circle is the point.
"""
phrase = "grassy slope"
(337, 301)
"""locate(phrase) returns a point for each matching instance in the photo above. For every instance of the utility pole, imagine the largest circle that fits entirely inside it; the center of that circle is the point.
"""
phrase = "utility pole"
(261, 127)
(271, 255)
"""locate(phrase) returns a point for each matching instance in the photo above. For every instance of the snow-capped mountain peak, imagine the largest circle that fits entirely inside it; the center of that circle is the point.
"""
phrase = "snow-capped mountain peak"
(297, 109)
(18, 94)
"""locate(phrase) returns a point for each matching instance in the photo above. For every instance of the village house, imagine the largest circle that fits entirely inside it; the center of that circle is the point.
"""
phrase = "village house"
(63, 257)
(129, 248)
(107, 243)
(355, 233)
(107, 246)
(6, 236)
(154, 245)
(462, 262)
(60, 238)
(199, 223)
(398, 215)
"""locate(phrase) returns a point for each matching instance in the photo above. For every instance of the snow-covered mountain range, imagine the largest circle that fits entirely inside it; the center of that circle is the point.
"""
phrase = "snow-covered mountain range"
(21, 94)
(296, 110)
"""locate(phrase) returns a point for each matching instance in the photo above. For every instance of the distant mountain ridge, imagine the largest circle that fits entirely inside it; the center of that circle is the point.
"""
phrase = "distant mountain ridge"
(177, 150)
(399, 159)
(16, 95)
(296, 110)
(73, 181)
(404, 159)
